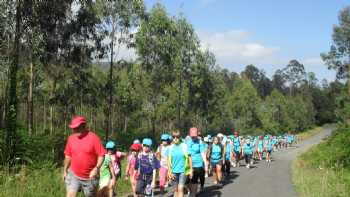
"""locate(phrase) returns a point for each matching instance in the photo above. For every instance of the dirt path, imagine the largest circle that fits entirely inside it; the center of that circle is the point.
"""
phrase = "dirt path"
(263, 180)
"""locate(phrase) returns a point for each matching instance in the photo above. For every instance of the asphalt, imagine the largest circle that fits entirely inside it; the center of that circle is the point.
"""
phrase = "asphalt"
(263, 180)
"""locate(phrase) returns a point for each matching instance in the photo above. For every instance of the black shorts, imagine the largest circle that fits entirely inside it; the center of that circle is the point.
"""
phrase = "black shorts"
(197, 173)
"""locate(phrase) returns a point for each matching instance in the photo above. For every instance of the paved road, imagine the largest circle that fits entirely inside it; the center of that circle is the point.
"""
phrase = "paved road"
(263, 180)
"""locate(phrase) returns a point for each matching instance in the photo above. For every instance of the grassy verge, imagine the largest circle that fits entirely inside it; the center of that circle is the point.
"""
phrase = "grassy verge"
(324, 170)
(42, 183)
(309, 133)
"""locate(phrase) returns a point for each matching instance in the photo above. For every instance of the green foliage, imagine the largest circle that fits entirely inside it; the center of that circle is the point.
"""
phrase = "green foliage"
(324, 170)
(333, 153)
(244, 102)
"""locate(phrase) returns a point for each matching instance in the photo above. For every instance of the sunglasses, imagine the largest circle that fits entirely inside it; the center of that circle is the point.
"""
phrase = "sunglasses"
(176, 136)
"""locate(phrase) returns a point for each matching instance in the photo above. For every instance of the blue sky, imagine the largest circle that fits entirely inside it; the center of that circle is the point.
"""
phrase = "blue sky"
(266, 33)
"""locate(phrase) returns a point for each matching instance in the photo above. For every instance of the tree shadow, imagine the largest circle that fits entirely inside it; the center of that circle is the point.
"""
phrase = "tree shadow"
(211, 191)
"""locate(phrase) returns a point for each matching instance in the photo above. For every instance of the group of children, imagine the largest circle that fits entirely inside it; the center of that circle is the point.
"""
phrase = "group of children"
(185, 163)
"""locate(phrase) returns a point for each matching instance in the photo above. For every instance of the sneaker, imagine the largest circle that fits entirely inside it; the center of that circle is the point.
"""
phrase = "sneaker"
(206, 175)
(248, 166)
(251, 162)
(234, 165)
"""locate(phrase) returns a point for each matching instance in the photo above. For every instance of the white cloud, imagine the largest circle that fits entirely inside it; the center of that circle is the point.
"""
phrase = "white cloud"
(235, 48)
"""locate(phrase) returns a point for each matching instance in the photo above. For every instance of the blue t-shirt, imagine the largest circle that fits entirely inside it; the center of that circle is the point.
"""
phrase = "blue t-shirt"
(270, 145)
(260, 144)
(195, 149)
(236, 144)
(248, 149)
(274, 141)
(178, 157)
(216, 153)
(147, 163)
(229, 149)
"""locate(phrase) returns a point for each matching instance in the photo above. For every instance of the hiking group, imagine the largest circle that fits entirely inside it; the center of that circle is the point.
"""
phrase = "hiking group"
(182, 163)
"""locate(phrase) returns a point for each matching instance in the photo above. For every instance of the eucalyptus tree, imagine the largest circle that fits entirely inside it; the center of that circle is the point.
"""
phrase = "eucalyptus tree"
(295, 75)
(119, 20)
(338, 57)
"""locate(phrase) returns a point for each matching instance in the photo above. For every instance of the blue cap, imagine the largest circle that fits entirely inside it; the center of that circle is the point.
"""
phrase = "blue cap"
(147, 142)
(164, 137)
(110, 145)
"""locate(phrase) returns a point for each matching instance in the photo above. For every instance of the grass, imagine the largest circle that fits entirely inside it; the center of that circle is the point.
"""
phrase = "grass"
(309, 133)
(324, 170)
(42, 183)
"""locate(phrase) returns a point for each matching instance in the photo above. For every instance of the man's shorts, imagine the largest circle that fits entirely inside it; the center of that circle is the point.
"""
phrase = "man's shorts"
(74, 183)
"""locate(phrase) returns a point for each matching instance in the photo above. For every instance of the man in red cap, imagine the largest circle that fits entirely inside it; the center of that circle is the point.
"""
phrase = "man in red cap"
(84, 155)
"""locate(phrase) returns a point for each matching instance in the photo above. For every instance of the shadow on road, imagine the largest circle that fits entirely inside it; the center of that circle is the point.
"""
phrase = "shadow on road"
(215, 190)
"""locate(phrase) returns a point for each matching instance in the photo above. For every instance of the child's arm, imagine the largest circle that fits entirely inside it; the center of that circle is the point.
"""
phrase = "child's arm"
(190, 164)
(223, 154)
(111, 169)
(127, 169)
(154, 178)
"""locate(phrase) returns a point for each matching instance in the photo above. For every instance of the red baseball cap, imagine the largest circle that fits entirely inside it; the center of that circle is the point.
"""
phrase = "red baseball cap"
(77, 121)
(135, 147)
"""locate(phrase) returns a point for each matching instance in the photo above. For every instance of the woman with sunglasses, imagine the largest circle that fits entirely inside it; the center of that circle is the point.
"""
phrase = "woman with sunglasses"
(197, 151)
(179, 164)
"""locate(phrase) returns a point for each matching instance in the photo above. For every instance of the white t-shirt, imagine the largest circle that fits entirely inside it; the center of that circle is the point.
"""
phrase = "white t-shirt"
(163, 155)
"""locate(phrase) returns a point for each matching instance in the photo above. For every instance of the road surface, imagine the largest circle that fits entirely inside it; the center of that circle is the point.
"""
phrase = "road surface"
(263, 180)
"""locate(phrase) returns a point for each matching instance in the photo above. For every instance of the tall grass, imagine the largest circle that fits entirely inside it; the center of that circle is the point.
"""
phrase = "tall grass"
(42, 183)
(309, 133)
(323, 171)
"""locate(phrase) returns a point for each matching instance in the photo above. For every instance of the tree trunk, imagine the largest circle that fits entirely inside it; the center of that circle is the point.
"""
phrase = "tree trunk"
(51, 119)
(110, 100)
(126, 121)
(52, 93)
(11, 114)
(44, 116)
(30, 101)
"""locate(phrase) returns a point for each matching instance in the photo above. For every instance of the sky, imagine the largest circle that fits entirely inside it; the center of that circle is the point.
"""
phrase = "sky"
(265, 33)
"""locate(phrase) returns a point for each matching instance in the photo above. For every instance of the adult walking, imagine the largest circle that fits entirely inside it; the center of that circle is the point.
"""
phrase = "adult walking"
(84, 156)
(198, 154)
(179, 164)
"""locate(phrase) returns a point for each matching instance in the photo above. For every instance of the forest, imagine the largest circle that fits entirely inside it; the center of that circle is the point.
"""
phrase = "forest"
(61, 58)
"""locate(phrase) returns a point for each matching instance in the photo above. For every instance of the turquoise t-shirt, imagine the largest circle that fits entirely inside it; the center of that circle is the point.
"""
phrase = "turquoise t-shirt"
(270, 145)
(274, 141)
(248, 149)
(195, 149)
(260, 144)
(229, 149)
(215, 153)
(178, 158)
(236, 144)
